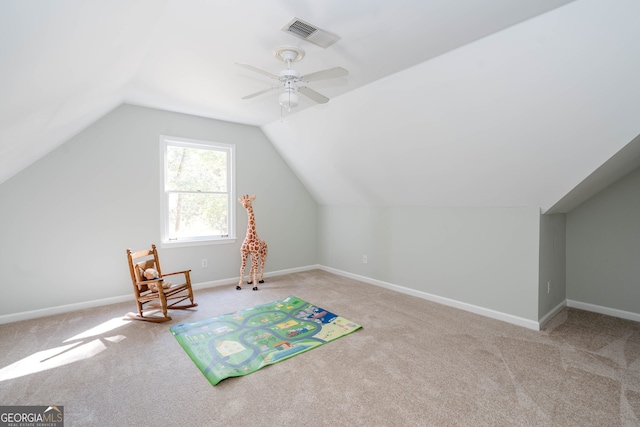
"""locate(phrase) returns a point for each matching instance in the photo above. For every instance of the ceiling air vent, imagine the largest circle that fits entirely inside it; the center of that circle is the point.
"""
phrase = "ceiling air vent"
(310, 33)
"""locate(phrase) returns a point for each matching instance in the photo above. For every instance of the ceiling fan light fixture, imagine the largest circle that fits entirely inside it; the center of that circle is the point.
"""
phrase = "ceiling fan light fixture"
(288, 99)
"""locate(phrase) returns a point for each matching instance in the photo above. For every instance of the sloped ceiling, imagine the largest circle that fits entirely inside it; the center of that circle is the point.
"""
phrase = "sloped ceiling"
(518, 118)
(466, 103)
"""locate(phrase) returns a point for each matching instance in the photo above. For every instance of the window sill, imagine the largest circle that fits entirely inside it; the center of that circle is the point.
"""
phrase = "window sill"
(204, 242)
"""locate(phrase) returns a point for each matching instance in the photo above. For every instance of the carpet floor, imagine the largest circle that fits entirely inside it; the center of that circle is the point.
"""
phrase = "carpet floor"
(414, 363)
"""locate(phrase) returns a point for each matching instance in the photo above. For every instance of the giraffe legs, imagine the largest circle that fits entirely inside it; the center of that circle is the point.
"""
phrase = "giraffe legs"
(263, 258)
(252, 273)
(242, 267)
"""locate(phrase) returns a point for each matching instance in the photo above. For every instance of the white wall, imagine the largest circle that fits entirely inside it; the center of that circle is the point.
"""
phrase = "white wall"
(485, 257)
(66, 221)
(603, 248)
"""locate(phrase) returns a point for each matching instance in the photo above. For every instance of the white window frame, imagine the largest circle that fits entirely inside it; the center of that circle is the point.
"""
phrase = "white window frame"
(230, 149)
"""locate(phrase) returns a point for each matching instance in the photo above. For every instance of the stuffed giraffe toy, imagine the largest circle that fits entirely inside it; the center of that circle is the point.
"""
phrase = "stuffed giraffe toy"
(252, 247)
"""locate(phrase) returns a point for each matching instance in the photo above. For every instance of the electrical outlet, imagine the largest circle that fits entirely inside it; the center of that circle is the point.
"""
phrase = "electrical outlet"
(549, 286)
(205, 263)
(364, 259)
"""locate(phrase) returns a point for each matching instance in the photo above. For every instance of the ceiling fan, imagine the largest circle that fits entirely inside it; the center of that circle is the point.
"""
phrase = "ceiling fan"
(289, 79)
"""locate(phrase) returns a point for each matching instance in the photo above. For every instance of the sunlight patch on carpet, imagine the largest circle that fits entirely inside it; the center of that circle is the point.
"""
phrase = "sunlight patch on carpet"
(240, 343)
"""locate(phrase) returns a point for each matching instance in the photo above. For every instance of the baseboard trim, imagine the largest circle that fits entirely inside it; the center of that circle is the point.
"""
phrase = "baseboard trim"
(614, 312)
(529, 324)
(66, 308)
(552, 313)
(234, 280)
(493, 314)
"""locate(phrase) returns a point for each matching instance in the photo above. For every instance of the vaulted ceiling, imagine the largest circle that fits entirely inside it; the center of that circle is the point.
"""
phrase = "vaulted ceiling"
(464, 103)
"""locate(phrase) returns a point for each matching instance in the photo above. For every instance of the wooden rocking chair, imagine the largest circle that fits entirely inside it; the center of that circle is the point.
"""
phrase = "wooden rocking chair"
(156, 295)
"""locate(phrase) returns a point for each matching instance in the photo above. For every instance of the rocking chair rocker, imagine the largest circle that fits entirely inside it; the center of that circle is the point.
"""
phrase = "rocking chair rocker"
(156, 295)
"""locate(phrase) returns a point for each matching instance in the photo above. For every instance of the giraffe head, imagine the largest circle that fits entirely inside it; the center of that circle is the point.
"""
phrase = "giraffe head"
(245, 200)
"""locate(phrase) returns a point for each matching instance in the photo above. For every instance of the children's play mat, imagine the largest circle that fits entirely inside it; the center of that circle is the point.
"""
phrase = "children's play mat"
(240, 343)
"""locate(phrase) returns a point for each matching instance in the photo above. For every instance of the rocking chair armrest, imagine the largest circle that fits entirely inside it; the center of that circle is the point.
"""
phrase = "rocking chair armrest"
(176, 272)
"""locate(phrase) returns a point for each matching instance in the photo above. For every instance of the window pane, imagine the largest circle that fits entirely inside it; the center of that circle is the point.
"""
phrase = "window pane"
(193, 215)
(194, 169)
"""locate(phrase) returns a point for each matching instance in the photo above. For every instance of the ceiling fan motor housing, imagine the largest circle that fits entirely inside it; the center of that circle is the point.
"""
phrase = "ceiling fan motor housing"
(286, 75)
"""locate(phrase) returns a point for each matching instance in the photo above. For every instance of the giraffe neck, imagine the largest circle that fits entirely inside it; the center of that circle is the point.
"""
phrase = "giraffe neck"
(251, 225)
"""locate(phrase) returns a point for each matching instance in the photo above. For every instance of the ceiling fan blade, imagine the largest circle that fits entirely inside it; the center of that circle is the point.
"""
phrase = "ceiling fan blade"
(253, 95)
(319, 98)
(325, 74)
(258, 70)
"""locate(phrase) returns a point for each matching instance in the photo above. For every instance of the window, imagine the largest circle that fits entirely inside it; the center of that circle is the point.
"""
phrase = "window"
(197, 191)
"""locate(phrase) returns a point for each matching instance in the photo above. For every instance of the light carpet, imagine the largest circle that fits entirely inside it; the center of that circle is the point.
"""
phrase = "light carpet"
(415, 363)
